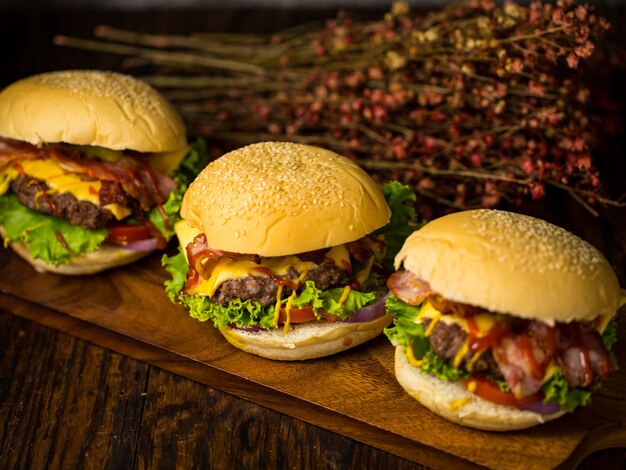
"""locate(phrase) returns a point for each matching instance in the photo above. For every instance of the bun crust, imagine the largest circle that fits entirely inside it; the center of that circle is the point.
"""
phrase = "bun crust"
(307, 340)
(87, 107)
(512, 263)
(282, 198)
(451, 401)
(105, 258)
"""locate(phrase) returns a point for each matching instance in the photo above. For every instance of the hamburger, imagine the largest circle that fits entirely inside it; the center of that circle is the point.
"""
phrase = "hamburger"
(501, 321)
(93, 166)
(282, 246)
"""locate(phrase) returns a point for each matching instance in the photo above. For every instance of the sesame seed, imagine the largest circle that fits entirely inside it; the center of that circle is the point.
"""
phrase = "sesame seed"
(123, 88)
(544, 247)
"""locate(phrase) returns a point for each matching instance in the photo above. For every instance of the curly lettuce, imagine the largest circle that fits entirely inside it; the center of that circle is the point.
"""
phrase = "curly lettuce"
(248, 313)
(406, 333)
(609, 336)
(557, 390)
(403, 221)
(47, 237)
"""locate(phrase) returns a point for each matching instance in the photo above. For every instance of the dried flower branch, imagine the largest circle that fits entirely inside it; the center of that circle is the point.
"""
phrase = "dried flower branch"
(472, 105)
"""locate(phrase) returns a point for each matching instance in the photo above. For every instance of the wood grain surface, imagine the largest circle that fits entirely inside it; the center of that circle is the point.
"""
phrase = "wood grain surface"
(89, 407)
(354, 394)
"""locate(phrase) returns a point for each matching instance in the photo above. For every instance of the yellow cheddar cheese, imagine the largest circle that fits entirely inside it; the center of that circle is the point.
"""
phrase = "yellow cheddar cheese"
(59, 181)
(227, 268)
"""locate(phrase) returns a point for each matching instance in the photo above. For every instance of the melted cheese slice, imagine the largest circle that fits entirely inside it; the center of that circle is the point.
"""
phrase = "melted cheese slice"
(340, 255)
(59, 181)
(228, 268)
(485, 321)
(429, 312)
(185, 234)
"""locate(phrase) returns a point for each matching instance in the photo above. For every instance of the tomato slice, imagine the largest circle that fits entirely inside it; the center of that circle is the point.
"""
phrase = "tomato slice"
(125, 233)
(490, 391)
(301, 315)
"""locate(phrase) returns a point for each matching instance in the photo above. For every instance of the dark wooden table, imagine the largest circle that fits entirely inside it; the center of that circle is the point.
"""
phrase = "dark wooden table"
(69, 403)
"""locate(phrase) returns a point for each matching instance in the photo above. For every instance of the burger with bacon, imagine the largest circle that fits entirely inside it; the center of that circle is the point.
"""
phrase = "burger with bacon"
(281, 248)
(93, 166)
(501, 321)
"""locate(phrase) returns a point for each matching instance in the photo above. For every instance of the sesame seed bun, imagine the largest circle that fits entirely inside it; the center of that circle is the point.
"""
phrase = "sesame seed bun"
(281, 198)
(304, 341)
(514, 264)
(90, 108)
(451, 401)
(87, 107)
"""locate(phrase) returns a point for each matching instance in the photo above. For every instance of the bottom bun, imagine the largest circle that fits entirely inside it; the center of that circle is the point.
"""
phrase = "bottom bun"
(306, 340)
(105, 258)
(452, 401)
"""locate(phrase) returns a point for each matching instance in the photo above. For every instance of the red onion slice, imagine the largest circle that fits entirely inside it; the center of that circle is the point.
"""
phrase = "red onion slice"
(542, 408)
(141, 245)
(251, 329)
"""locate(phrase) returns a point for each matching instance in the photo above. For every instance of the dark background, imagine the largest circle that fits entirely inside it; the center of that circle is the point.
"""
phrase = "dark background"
(45, 363)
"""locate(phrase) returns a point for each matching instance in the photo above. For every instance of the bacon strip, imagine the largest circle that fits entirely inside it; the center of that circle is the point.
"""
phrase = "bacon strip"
(363, 248)
(522, 349)
(11, 149)
(518, 359)
(524, 357)
(583, 355)
(407, 287)
(135, 175)
(202, 259)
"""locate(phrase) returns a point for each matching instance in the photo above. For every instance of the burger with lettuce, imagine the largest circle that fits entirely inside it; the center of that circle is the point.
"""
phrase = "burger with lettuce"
(282, 248)
(501, 321)
(93, 166)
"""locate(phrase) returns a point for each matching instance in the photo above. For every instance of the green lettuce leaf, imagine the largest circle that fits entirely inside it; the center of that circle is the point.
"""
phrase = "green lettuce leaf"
(403, 220)
(193, 163)
(249, 313)
(609, 337)
(177, 267)
(40, 232)
(441, 369)
(556, 390)
(406, 333)
(244, 314)
(404, 328)
(171, 207)
(328, 300)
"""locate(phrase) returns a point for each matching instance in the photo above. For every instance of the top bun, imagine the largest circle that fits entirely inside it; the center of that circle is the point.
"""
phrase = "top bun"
(281, 198)
(512, 263)
(86, 107)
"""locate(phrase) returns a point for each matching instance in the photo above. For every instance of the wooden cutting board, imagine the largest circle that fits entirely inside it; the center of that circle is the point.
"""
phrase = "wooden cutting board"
(354, 394)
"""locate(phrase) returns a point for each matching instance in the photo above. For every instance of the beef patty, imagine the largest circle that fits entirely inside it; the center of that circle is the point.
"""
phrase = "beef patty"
(63, 205)
(263, 288)
(447, 339)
